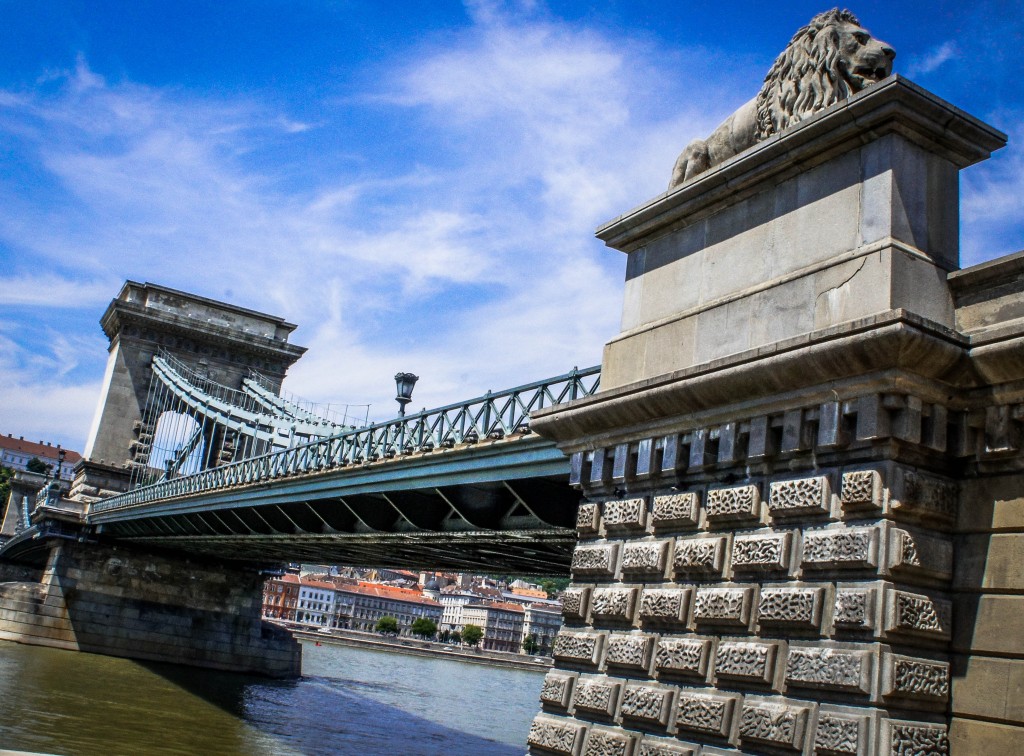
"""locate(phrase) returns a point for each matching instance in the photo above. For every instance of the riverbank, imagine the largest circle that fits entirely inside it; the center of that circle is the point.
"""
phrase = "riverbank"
(415, 647)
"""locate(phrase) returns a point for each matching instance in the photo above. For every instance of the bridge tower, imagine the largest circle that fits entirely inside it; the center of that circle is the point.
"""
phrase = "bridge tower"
(802, 530)
(220, 341)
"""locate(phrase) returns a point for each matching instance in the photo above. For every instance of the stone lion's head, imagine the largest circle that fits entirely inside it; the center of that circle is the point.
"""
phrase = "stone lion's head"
(826, 61)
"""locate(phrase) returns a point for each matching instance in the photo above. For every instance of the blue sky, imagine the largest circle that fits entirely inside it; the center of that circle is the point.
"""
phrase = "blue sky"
(415, 184)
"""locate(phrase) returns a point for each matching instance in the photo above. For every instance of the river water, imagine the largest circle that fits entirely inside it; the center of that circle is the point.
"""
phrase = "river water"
(348, 701)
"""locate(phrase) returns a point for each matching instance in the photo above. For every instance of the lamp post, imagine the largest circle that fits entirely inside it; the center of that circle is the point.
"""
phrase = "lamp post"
(404, 383)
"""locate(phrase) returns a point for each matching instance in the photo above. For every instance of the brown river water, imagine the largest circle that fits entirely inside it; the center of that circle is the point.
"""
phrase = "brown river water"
(348, 701)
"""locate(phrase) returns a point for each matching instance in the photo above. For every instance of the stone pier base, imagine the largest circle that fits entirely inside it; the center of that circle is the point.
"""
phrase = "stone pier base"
(115, 601)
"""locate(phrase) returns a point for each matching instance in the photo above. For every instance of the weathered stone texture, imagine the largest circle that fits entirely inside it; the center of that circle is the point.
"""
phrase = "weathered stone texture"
(676, 510)
(145, 606)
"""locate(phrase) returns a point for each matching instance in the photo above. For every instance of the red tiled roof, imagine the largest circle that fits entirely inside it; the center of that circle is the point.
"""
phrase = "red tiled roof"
(388, 592)
(41, 450)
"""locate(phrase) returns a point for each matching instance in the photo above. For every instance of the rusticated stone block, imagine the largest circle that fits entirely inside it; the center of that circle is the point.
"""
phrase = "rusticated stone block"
(840, 548)
(561, 736)
(587, 518)
(795, 607)
(557, 689)
(602, 742)
(761, 553)
(683, 656)
(927, 497)
(862, 489)
(625, 514)
(632, 651)
(681, 510)
(647, 557)
(617, 604)
(723, 606)
(829, 669)
(700, 556)
(750, 662)
(902, 738)
(913, 678)
(662, 747)
(804, 497)
(576, 603)
(919, 554)
(917, 614)
(598, 560)
(647, 703)
(598, 695)
(855, 608)
(705, 713)
(736, 504)
(774, 724)
(841, 734)
(580, 648)
(669, 605)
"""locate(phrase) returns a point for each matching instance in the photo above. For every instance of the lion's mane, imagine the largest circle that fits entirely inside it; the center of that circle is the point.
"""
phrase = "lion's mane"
(806, 76)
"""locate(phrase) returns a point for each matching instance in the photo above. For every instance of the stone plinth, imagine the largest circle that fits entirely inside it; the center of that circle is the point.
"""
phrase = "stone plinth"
(803, 471)
(852, 213)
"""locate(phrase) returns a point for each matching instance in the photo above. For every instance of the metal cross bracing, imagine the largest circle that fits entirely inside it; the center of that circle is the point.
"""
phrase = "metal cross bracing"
(466, 486)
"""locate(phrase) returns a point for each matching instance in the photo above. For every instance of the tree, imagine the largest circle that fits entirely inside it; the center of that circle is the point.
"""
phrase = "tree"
(553, 586)
(424, 627)
(445, 636)
(37, 465)
(472, 634)
(530, 645)
(456, 636)
(387, 625)
(6, 474)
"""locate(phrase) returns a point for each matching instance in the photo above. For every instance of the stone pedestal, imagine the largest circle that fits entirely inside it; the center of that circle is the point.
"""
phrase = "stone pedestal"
(803, 460)
(118, 602)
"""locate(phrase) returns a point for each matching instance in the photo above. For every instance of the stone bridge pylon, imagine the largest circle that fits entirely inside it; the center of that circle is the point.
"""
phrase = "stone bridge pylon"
(802, 474)
(222, 343)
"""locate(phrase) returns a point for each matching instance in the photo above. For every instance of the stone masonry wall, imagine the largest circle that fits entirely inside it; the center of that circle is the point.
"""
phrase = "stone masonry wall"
(797, 610)
(113, 601)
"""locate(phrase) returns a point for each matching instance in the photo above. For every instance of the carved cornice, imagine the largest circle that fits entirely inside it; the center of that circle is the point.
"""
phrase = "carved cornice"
(892, 106)
(120, 314)
(889, 352)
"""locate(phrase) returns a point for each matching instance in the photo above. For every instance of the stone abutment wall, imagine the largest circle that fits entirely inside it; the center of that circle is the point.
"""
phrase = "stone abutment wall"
(802, 530)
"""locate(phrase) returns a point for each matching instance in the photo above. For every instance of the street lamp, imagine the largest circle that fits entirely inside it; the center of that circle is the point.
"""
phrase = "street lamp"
(404, 383)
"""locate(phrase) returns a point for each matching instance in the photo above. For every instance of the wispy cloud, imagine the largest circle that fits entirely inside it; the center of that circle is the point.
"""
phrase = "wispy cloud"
(933, 59)
(477, 271)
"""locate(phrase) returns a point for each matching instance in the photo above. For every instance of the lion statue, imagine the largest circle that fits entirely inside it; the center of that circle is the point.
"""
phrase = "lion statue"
(825, 62)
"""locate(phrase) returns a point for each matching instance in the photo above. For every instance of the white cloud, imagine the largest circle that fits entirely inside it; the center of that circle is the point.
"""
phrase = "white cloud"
(472, 264)
(933, 59)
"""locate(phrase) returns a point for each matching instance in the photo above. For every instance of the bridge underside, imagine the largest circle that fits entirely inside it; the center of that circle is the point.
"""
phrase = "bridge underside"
(505, 507)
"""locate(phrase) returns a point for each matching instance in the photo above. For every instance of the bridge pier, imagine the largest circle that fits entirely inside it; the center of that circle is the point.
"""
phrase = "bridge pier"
(802, 472)
(117, 601)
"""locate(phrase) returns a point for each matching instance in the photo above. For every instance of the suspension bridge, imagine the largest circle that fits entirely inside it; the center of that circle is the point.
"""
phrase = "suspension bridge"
(247, 473)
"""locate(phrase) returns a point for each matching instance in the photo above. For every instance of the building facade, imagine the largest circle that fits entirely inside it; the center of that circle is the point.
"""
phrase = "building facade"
(542, 623)
(502, 624)
(370, 602)
(16, 453)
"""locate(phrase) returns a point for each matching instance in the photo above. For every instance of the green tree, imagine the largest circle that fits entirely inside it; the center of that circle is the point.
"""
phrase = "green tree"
(530, 645)
(37, 465)
(456, 636)
(424, 627)
(6, 474)
(472, 634)
(552, 586)
(445, 636)
(387, 625)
